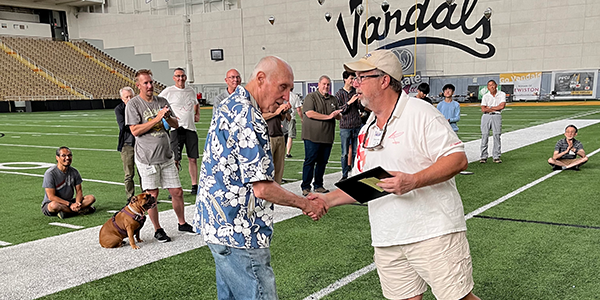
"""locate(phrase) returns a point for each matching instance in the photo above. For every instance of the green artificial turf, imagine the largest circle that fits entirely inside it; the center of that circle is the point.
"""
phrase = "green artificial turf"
(512, 259)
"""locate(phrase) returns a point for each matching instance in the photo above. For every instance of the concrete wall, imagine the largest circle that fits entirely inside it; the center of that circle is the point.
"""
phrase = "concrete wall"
(536, 35)
(20, 28)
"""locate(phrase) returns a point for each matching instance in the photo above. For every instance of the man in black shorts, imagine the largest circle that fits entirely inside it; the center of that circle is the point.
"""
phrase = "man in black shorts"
(62, 183)
(182, 100)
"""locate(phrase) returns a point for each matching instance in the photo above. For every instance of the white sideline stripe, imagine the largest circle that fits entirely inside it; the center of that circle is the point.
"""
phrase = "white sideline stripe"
(5, 243)
(168, 201)
(84, 179)
(65, 225)
(340, 283)
(111, 211)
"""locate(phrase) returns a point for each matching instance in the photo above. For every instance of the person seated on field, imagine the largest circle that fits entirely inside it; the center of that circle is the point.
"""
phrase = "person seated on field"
(64, 196)
(567, 150)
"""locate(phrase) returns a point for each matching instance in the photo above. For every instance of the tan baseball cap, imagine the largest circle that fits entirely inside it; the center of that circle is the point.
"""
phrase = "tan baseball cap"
(384, 60)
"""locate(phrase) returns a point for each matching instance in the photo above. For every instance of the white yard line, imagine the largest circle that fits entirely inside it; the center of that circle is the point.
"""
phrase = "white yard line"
(24, 276)
(5, 243)
(65, 225)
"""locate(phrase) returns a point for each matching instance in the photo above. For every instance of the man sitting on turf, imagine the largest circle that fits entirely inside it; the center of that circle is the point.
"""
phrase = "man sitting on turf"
(61, 183)
(567, 150)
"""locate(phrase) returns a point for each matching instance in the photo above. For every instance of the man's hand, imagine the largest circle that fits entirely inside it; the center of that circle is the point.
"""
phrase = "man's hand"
(163, 113)
(400, 184)
(316, 207)
(353, 99)
(283, 107)
(75, 206)
(335, 113)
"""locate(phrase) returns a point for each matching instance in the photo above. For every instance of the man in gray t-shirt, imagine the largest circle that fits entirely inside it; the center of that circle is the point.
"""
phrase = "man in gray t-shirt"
(63, 193)
(149, 117)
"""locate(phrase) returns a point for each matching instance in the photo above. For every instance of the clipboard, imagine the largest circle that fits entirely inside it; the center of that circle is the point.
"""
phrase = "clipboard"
(362, 186)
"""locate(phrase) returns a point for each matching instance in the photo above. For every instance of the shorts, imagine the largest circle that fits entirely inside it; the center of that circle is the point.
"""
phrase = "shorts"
(164, 175)
(48, 213)
(443, 262)
(181, 137)
(292, 129)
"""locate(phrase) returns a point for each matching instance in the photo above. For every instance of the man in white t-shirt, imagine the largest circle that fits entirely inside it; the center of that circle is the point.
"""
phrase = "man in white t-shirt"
(182, 100)
(423, 214)
(296, 109)
(492, 105)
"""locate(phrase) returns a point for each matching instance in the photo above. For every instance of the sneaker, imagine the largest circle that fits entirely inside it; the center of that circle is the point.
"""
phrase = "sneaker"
(288, 156)
(556, 168)
(194, 189)
(498, 161)
(88, 210)
(305, 192)
(170, 197)
(61, 215)
(321, 190)
(187, 228)
(161, 236)
(482, 161)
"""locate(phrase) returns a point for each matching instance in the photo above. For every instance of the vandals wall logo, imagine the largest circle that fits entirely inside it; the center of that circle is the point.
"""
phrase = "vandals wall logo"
(377, 28)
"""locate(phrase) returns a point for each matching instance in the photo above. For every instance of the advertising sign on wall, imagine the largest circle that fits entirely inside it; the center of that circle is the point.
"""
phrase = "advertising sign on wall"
(574, 84)
(526, 85)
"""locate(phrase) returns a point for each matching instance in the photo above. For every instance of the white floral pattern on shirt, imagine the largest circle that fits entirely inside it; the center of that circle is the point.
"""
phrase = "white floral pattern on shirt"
(237, 153)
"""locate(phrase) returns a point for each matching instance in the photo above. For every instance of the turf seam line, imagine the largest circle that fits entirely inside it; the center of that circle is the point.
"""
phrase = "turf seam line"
(537, 222)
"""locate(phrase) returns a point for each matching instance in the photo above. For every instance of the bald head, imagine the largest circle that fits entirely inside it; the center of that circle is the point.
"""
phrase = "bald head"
(233, 79)
(271, 81)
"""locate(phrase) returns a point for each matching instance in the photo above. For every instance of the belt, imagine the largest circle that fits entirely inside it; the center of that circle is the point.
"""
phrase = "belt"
(492, 113)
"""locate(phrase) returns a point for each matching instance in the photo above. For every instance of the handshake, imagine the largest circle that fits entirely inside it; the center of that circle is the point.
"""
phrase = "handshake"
(316, 206)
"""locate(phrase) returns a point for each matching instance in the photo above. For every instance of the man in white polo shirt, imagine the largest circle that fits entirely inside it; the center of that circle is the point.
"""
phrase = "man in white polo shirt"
(419, 229)
(492, 105)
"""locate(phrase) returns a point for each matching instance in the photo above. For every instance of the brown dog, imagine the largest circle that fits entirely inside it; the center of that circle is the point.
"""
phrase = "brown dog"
(127, 222)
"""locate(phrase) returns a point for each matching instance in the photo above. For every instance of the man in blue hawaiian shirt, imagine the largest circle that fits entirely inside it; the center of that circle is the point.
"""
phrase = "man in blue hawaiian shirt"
(237, 192)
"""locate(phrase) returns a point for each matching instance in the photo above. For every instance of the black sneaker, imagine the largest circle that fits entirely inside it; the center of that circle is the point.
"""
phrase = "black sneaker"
(61, 215)
(194, 189)
(288, 156)
(170, 197)
(187, 228)
(88, 210)
(161, 236)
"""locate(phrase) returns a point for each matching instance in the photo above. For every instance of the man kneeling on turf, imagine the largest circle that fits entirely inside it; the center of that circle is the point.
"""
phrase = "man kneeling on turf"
(567, 150)
(61, 183)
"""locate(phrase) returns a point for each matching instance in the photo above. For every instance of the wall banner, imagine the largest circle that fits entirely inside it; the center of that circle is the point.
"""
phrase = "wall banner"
(575, 84)
(526, 85)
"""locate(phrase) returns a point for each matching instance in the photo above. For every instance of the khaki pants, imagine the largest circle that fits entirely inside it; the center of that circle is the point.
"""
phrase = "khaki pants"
(127, 156)
(278, 150)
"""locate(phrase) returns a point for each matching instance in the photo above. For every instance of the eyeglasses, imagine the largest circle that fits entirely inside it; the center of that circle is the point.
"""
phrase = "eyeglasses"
(179, 76)
(234, 77)
(359, 79)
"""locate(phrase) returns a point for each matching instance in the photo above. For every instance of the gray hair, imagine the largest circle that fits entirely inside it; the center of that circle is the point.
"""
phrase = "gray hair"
(395, 84)
(324, 76)
(129, 89)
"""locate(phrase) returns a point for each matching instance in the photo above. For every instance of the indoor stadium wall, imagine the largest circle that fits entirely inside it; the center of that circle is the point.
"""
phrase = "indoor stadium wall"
(525, 36)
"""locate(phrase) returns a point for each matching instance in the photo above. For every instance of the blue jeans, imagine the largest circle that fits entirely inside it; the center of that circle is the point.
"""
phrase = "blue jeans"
(243, 273)
(314, 153)
(348, 136)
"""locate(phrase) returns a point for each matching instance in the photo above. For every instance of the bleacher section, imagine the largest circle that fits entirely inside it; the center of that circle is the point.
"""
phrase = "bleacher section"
(112, 62)
(90, 71)
(18, 82)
